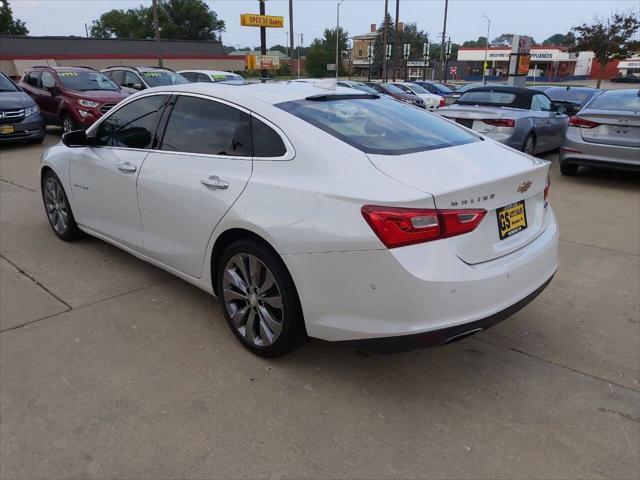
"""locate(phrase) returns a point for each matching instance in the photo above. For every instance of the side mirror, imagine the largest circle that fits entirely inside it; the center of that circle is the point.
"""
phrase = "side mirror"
(137, 86)
(75, 139)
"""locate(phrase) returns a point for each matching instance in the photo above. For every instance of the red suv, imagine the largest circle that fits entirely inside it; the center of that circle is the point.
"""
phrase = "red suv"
(73, 97)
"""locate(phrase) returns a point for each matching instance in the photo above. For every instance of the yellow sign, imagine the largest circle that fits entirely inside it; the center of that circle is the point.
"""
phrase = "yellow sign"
(523, 65)
(259, 62)
(255, 20)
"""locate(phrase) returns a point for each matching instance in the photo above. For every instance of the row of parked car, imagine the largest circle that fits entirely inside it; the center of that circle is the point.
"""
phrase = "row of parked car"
(589, 126)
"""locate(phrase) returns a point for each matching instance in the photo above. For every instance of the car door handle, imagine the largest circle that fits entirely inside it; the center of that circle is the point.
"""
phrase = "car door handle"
(215, 182)
(126, 167)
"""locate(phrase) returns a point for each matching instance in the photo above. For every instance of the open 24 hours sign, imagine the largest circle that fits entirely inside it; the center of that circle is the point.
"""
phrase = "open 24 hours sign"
(255, 20)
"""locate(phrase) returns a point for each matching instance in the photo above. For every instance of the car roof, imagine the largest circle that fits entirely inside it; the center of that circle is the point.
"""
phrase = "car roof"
(249, 94)
(63, 69)
(522, 98)
(207, 72)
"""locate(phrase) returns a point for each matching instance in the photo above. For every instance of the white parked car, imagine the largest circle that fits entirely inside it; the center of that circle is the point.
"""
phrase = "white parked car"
(431, 100)
(210, 76)
(306, 210)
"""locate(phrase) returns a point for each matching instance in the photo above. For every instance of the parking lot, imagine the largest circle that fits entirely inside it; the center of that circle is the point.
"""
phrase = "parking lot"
(110, 367)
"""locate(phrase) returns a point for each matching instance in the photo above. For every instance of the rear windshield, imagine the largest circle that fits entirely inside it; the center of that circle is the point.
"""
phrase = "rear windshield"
(363, 88)
(379, 125)
(7, 85)
(83, 80)
(161, 78)
(392, 88)
(498, 98)
(626, 101)
(442, 88)
(571, 95)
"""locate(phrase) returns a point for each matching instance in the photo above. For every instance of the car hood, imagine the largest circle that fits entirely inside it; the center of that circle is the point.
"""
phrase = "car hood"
(9, 100)
(102, 96)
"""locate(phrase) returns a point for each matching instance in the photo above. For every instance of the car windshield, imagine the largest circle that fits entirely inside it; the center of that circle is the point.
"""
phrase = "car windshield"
(378, 125)
(496, 98)
(392, 88)
(621, 100)
(415, 88)
(7, 85)
(162, 78)
(572, 95)
(83, 80)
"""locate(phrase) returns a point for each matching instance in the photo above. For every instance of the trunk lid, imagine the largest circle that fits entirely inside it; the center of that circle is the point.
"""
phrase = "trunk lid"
(472, 117)
(616, 128)
(483, 175)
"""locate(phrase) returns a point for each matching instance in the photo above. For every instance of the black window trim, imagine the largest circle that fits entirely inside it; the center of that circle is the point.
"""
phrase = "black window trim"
(289, 153)
(92, 130)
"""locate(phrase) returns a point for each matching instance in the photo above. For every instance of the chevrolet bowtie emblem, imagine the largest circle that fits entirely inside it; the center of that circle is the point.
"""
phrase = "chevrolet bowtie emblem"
(524, 186)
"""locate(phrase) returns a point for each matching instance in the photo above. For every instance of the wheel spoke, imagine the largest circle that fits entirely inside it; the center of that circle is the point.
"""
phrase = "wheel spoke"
(249, 327)
(269, 281)
(232, 277)
(239, 261)
(275, 301)
(254, 268)
(60, 226)
(267, 335)
(272, 323)
(231, 295)
(239, 317)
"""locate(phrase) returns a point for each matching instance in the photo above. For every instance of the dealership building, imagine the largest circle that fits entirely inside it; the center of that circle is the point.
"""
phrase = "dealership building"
(18, 53)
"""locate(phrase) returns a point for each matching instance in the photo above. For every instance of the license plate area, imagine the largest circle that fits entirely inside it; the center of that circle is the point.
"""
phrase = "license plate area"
(512, 219)
(6, 129)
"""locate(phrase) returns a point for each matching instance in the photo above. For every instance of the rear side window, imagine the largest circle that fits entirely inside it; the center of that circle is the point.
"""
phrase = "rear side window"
(203, 78)
(266, 142)
(541, 103)
(117, 76)
(379, 125)
(624, 100)
(197, 125)
(132, 126)
(131, 80)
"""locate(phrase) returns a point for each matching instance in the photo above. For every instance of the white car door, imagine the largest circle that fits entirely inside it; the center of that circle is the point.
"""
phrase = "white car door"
(186, 187)
(104, 175)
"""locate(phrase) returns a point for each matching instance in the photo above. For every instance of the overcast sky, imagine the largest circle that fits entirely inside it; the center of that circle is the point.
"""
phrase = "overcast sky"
(538, 18)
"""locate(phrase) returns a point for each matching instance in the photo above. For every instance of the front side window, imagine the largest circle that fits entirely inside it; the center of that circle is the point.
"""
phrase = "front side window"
(133, 125)
(47, 80)
(541, 103)
(202, 78)
(379, 125)
(197, 125)
(117, 77)
(83, 81)
(131, 80)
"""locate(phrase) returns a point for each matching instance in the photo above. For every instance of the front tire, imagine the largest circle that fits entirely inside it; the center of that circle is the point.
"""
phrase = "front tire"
(57, 208)
(568, 169)
(259, 299)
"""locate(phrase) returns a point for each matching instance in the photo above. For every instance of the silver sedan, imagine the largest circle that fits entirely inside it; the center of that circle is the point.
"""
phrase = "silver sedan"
(606, 132)
(521, 118)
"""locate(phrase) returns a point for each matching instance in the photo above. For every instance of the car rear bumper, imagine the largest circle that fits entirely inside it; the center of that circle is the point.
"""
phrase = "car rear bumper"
(576, 151)
(416, 289)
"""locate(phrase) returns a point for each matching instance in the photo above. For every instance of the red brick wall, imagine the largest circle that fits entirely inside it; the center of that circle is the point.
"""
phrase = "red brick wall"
(610, 70)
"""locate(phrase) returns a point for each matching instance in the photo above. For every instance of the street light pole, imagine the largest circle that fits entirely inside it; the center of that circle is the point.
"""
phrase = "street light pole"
(442, 45)
(384, 39)
(397, 39)
(156, 27)
(486, 47)
(291, 45)
(338, 36)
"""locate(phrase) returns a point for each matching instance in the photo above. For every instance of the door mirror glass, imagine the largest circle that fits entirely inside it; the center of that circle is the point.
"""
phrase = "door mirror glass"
(75, 139)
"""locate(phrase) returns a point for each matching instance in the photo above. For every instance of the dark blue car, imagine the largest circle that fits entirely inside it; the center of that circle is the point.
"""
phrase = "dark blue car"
(20, 118)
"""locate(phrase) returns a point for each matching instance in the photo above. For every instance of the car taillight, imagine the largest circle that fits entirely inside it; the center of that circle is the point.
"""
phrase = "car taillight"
(580, 122)
(500, 122)
(397, 227)
(546, 189)
(442, 103)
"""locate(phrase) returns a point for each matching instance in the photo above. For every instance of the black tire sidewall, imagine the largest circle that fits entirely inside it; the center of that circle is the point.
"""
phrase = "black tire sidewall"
(72, 231)
(292, 328)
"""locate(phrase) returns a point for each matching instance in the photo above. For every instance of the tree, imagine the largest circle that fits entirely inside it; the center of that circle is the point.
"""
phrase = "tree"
(415, 38)
(507, 38)
(379, 48)
(178, 19)
(608, 40)
(280, 48)
(317, 59)
(481, 42)
(9, 25)
(565, 40)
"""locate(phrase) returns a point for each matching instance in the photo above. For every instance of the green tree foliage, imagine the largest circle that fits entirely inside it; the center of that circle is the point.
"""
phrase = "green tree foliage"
(317, 59)
(481, 42)
(178, 19)
(379, 48)
(9, 25)
(414, 37)
(280, 48)
(565, 40)
(507, 38)
(608, 39)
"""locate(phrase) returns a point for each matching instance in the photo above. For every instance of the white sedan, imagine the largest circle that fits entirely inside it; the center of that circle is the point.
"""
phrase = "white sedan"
(431, 100)
(312, 211)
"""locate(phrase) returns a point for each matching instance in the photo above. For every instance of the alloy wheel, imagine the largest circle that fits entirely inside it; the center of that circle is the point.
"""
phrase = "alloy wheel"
(529, 145)
(253, 299)
(56, 205)
(67, 124)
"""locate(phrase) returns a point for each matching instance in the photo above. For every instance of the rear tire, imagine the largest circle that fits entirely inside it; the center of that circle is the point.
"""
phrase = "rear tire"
(57, 208)
(529, 145)
(259, 299)
(568, 169)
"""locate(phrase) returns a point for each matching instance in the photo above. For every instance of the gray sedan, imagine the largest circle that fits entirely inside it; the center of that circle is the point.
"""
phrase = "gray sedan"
(606, 132)
(521, 118)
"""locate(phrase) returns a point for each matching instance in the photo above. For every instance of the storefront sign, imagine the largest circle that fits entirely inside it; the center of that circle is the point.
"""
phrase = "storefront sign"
(260, 62)
(255, 20)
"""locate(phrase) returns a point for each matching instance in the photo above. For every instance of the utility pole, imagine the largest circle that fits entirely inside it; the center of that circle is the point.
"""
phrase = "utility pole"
(384, 39)
(396, 43)
(338, 38)
(442, 45)
(156, 27)
(263, 42)
(486, 46)
(291, 45)
(369, 55)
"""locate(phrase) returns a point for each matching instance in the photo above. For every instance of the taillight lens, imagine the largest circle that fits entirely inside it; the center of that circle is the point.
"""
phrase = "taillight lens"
(500, 122)
(397, 227)
(546, 189)
(580, 122)
(442, 103)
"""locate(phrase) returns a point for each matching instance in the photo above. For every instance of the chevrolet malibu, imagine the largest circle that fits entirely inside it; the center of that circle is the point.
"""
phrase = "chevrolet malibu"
(312, 210)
